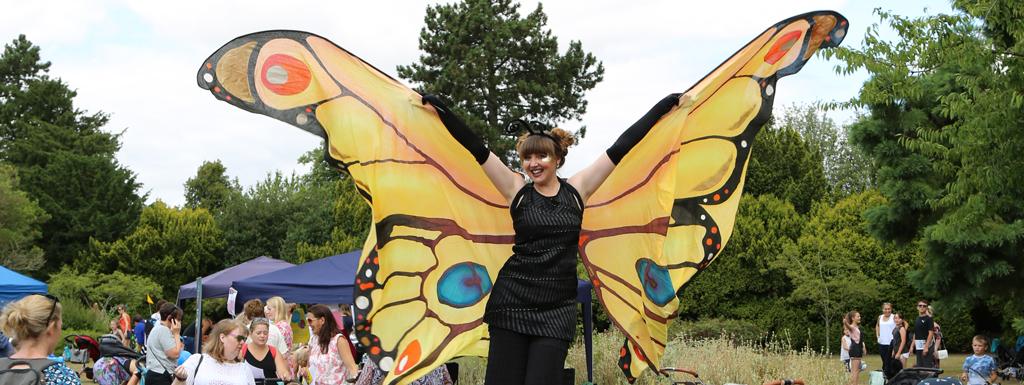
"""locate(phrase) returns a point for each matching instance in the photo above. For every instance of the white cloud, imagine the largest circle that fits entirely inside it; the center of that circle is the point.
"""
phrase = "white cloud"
(137, 60)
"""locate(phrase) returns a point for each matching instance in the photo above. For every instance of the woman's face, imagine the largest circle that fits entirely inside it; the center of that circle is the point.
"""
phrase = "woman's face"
(856, 318)
(232, 342)
(260, 333)
(886, 309)
(540, 167)
(314, 322)
(897, 319)
(269, 311)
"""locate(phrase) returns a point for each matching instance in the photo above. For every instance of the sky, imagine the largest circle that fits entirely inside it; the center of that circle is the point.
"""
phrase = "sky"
(137, 62)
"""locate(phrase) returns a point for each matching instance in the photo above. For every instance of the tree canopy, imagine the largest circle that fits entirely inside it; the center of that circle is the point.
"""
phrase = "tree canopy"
(945, 101)
(20, 220)
(496, 66)
(65, 161)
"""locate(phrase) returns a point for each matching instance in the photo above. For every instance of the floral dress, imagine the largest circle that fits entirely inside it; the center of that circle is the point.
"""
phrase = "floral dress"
(60, 374)
(286, 332)
(328, 368)
(111, 371)
(372, 375)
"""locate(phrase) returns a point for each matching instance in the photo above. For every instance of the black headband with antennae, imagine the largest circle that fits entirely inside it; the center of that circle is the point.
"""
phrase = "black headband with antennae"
(531, 127)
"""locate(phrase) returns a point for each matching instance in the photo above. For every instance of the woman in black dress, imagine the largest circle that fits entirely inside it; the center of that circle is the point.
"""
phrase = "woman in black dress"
(531, 312)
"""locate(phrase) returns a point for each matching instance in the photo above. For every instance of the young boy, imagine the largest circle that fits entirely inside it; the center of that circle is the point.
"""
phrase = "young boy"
(980, 368)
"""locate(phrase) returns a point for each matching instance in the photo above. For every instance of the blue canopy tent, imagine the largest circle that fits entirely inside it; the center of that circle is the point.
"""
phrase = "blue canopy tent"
(216, 285)
(327, 280)
(331, 280)
(13, 286)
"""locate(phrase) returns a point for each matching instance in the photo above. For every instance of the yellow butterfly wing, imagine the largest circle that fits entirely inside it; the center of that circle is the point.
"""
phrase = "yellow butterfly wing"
(668, 208)
(440, 230)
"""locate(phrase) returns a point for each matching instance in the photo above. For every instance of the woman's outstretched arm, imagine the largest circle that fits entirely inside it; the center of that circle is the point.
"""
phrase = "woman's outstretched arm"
(505, 180)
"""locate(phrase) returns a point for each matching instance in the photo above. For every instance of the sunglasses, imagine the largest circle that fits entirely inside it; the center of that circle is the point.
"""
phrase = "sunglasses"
(921, 305)
(238, 337)
(53, 308)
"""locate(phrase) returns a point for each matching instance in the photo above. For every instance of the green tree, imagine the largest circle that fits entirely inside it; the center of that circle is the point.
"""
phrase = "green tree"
(847, 169)
(210, 188)
(351, 217)
(170, 246)
(65, 161)
(275, 215)
(495, 66)
(107, 290)
(352, 220)
(826, 264)
(785, 165)
(744, 282)
(20, 220)
(947, 103)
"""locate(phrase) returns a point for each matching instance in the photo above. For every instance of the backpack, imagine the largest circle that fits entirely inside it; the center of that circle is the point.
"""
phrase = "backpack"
(32, 375)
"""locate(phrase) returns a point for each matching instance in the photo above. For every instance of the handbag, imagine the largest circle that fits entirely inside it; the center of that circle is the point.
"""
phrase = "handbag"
(942, 353)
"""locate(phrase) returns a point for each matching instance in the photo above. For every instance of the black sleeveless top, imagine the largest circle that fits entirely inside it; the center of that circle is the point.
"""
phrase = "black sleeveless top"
(535, 292)
(267, 363)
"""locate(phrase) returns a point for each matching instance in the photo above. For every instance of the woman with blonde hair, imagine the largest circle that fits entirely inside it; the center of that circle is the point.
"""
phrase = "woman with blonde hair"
(279, 316)
(219, 364)
(34, 323)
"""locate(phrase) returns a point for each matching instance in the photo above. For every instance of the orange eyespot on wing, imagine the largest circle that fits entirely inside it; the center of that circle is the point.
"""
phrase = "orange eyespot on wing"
(668, 209)
(431, 255)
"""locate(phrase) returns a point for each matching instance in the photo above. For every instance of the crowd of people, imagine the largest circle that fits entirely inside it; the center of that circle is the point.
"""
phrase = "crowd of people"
(898, 339)
(256, 347)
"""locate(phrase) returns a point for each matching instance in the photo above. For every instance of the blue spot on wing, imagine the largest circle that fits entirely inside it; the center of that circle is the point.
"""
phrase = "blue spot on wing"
(656, 282)
(463, 285)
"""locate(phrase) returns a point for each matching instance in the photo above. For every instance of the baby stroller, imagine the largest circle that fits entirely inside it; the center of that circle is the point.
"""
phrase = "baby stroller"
(114, 365)
(911, 376)
(1010, 363)
(80, 349)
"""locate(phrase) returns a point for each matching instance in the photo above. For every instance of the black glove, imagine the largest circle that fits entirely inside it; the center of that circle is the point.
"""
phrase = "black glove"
(638, 130)
(459, 130)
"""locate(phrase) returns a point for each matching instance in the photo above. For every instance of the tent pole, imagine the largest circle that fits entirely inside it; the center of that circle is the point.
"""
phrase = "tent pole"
(199, 313)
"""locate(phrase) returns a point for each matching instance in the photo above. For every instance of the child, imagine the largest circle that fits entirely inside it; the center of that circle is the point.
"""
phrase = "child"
(844, 352)
(979, 369)
(301, 365)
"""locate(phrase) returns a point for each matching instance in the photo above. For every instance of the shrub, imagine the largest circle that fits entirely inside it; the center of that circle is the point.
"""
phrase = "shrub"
(715, 328)
(78, 316)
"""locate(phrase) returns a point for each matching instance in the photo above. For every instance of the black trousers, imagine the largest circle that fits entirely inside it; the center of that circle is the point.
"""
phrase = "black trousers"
(886, 352)
(518, 359)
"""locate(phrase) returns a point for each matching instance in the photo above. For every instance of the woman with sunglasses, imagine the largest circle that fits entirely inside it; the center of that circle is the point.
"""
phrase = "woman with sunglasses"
(34, 323)
(330, 353)
(260, 355)
(531, 314)
(220, 363)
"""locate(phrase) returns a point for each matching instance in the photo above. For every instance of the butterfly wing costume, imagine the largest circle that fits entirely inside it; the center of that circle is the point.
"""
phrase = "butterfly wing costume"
(441, 231)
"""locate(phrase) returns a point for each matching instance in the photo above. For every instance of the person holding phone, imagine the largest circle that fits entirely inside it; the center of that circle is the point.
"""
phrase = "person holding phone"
(163, 346)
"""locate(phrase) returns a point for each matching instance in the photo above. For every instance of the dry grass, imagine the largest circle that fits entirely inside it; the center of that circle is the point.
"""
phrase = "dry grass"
(719, 361)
